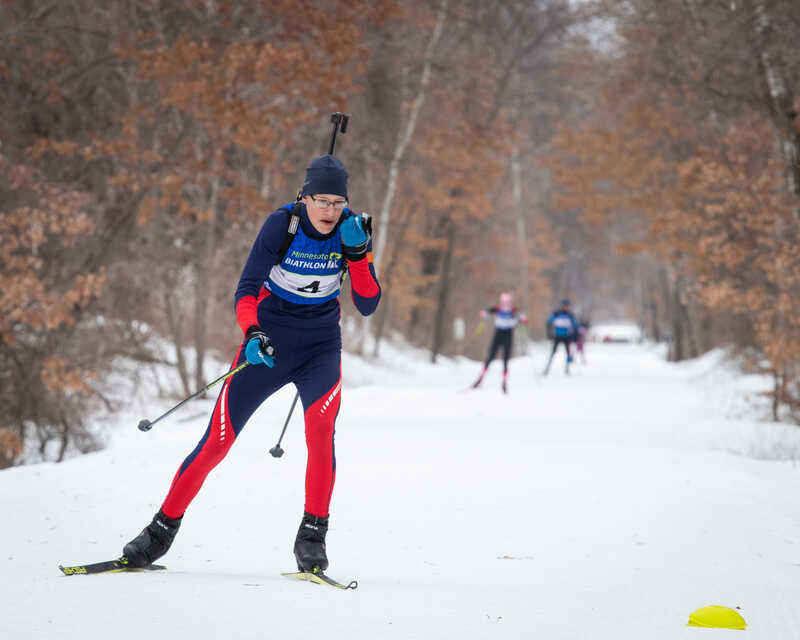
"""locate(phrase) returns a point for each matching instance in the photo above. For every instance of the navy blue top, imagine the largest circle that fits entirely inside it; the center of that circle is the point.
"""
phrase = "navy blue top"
(562, 324)
(285, 302)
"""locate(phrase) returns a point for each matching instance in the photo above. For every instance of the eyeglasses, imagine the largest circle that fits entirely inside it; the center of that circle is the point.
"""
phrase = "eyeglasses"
(324, 203)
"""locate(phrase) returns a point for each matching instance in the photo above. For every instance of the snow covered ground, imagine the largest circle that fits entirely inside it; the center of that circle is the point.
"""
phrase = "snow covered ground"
(609, 504)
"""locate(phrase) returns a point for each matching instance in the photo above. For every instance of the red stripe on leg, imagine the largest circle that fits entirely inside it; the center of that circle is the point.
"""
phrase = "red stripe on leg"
(320, 419)
(190, 477)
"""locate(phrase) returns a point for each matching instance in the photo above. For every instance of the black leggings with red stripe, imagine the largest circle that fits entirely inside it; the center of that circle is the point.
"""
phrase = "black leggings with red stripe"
(309, 358)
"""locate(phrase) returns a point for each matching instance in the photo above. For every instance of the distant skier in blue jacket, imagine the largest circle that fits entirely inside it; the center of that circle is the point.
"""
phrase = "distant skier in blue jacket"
(288, 309)
(562, 327)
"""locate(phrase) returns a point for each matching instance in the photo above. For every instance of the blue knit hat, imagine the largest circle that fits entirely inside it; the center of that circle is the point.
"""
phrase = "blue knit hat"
(325, 174)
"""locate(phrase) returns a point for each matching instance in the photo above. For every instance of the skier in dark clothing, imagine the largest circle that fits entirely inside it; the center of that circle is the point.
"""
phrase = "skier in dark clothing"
(561, 329)
(288, 310)
(580, 337)
(506, 317)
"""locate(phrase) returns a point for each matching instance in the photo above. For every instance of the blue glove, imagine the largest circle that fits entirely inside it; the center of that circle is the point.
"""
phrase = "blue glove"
(354, 238)
(259, 349)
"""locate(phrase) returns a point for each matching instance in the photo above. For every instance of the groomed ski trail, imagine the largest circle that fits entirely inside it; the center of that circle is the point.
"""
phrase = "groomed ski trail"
(608, 504)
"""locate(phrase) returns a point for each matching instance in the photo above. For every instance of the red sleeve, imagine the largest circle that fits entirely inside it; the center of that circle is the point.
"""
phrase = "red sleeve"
(361, 278)
(247, 309)
(247, 312)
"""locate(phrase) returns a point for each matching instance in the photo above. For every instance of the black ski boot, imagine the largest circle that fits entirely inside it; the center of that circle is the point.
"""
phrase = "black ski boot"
(153, 542)
(309, 546)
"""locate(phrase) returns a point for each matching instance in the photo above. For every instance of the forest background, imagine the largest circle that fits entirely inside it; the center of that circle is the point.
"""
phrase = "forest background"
(638, 157)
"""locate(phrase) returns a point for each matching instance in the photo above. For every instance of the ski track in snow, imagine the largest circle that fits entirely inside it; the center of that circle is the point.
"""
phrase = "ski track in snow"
(609, 504)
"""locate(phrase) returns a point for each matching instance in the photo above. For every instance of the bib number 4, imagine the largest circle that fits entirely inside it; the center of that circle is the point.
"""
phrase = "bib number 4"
(312, 287)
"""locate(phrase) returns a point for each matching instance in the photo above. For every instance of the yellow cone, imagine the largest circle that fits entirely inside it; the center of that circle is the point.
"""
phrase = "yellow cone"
(717, 617)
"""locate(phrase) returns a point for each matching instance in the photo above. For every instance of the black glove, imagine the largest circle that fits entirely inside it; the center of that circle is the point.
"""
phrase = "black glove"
(259, 348)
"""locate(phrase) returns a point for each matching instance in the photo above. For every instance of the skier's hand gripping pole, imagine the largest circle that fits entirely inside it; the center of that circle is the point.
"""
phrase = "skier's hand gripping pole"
(146, 425)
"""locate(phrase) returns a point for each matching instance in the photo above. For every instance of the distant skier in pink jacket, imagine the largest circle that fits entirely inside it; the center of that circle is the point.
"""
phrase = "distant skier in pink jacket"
(506, 318)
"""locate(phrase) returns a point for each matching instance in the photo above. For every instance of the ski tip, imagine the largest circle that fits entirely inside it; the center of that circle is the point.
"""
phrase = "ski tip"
(318, 577)
(72, 571)
(119, 565)
(353, 584)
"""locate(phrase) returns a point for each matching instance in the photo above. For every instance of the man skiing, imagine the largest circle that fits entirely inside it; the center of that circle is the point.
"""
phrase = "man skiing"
(506, 317)
(288, 309)
(561, 329)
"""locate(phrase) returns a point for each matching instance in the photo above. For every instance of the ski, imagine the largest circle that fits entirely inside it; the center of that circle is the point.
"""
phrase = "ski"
(316, 576)
(110, 566)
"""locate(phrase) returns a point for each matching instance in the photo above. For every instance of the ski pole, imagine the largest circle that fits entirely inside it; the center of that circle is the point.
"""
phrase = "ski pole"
(276, 451)
(146, 425)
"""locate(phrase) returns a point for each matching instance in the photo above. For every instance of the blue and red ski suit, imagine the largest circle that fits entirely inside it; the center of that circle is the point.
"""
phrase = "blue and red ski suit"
(295, 302)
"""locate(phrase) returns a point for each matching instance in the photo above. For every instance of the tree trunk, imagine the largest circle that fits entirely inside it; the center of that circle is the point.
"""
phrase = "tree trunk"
(202, 287)
(781, 101)
(522, 233)
(691, 337)
(177, 338)
(651, 310)
(444, 290)
(406, 134)
(383, 308)
(780, 97)
(404, 138)
(672, 310)
(64, 437)
(655, 326)
(777, 388)
(676, 353)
